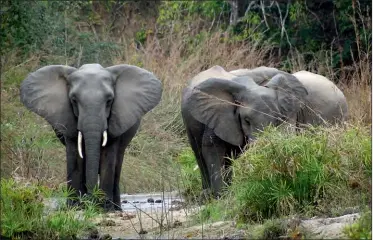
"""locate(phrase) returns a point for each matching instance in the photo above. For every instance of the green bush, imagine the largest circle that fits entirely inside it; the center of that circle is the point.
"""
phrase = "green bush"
(50, 30)
(271, 229)
(282, 172)
(190, 177)
(23, 213)
(362, 229)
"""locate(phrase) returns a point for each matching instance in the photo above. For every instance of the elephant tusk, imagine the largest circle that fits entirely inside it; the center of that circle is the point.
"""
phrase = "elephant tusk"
(104, 141)
(80, 137)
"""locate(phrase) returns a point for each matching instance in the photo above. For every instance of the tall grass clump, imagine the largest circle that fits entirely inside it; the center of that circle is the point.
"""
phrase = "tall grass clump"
(25, 216)
(315, 171)
(190, 177)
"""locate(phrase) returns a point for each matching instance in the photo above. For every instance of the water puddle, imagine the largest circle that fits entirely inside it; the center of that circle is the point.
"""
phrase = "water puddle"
(150, 201)
(167, 201)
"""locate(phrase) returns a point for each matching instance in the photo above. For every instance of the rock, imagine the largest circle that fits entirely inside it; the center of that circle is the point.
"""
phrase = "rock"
(158, 201)
(142, 231)
(93, 234)
(176, 202)
(128, 216)
(150, 200)
(177, 223)
(177, 205)
(350, 210)
(105, 237)
(107, 223)
(175, 208)
(124, 201)
(322, 228)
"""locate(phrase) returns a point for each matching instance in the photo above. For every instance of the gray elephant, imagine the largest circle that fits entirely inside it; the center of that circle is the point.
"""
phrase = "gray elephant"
(222, 110)
(95, 112)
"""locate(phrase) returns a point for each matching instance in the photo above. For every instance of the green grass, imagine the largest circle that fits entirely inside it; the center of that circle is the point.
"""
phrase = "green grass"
(23, 213)
(362, 229)
(319, 171)
(190, 177)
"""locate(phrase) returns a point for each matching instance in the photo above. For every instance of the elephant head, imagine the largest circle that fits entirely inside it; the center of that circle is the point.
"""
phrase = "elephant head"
(91, 103)
(238, 108)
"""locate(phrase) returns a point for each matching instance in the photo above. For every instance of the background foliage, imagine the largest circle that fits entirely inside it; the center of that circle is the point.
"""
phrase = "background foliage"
(342, 27)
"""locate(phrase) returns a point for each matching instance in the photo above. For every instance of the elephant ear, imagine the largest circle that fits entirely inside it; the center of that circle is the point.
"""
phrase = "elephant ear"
(212, 103)
(45, 92)
(137, 91)
(291, 93)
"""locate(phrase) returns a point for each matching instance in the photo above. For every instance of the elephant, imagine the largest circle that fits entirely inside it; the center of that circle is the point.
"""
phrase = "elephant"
(223, 110)
(95, 112)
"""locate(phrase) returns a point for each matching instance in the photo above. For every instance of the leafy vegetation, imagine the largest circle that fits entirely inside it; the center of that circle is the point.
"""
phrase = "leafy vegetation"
(309, 174)
(190, 175)
(24, 215)
(362, 229)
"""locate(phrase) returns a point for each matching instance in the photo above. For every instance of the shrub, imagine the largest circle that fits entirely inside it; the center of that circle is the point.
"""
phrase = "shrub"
(190, 176)
(283, 173)
(23, 213)
(362, 229)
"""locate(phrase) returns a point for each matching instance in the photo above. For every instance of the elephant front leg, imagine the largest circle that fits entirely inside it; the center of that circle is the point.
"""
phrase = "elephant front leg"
(125, 139)
(75, 170)
(107, 171)
(196, 144)
(213, 151)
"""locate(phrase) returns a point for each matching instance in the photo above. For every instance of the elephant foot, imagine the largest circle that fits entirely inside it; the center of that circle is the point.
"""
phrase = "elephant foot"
(110, 206)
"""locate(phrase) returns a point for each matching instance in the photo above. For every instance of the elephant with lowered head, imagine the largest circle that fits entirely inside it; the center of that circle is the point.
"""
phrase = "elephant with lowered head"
(222, 110)
(95, 112)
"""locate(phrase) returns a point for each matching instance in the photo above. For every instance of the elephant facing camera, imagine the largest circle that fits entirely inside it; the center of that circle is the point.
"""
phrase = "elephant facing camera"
(95, 112)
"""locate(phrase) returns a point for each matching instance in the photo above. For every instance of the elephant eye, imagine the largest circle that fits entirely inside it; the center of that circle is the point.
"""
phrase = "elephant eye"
(247, 120)
(109, 102)
(73, 100)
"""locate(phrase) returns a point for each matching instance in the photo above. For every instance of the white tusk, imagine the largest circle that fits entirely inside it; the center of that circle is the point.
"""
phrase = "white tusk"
(80, 144)
(104, 135)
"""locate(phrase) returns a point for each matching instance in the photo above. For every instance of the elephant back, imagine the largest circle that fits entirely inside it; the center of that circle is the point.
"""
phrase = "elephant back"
(213, 72)
(325, 101)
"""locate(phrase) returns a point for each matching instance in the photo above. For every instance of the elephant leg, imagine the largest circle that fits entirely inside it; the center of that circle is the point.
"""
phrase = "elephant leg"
(233, 152)
(75, 170)
(196, 144)
(107, 169)
(125, 139)
(214, 151)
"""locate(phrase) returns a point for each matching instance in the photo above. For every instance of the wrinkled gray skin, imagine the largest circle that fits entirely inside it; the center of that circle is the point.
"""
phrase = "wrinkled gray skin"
(221, 112)
(93, 99)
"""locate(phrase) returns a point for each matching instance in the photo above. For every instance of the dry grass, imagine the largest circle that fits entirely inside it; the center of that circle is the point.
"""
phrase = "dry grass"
(162, 135)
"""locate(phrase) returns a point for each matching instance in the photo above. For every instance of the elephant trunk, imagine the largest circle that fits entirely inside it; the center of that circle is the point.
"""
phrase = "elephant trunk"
(95, 136)
(92, 141)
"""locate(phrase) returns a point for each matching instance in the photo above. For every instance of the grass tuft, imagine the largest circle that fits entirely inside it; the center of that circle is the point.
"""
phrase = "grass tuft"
(24, 214)
(362, 229)
(309, 173)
